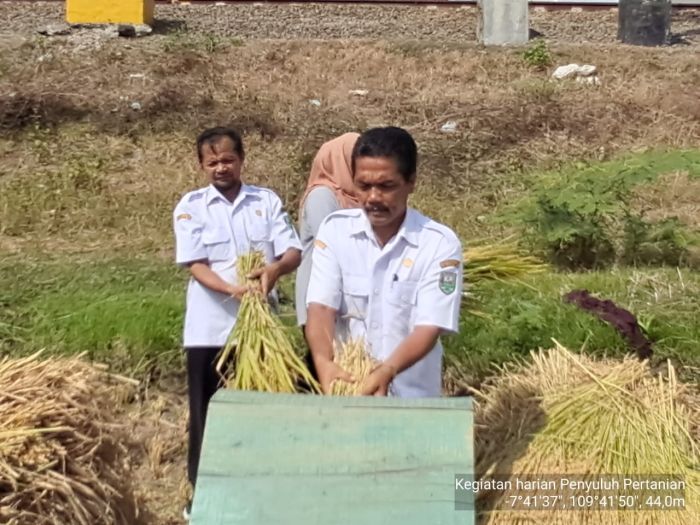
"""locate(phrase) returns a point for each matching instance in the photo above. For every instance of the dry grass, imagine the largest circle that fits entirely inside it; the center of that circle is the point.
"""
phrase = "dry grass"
(672, 195)
(63, 451)
(157, 419)
(79, 445)
(570, 415)
(509, 117)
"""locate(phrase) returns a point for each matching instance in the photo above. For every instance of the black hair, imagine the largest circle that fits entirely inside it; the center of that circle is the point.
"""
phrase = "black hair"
(393, 142)
(212, 135)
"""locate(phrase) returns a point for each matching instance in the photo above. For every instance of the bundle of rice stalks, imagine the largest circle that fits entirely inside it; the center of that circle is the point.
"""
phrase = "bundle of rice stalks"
(62, 455)
(501, 261)
(353, 357)
(263, 354)
(568, 417)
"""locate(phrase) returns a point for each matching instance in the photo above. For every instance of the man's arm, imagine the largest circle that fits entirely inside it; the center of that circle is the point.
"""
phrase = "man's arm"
(201, 271)
(269, 274)
(411, 350)
(191, 253)
(286, 246)
(323, 300)
(320, 330)
(437, 312)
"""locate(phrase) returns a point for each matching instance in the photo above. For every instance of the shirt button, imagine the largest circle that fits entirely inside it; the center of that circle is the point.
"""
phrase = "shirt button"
(375, 326)
(376, 292)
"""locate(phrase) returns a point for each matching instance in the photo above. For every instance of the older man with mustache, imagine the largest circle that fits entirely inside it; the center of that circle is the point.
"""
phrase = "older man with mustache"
(386, 273)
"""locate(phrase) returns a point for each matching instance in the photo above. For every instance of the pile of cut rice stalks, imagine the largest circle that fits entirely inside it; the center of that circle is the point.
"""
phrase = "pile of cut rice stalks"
(568, 416)
(259, 354)
(353, 357)
(63, 457)
(501, 261)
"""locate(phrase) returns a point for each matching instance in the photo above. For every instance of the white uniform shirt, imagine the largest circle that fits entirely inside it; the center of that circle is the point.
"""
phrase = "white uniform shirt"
(319, 203)
(382, 294)
(208, 226)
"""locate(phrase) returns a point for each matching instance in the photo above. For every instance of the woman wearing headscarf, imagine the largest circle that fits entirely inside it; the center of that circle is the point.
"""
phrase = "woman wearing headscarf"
(329, 188)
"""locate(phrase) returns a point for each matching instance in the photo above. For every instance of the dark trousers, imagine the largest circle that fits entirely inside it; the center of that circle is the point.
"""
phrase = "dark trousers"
(202, 382)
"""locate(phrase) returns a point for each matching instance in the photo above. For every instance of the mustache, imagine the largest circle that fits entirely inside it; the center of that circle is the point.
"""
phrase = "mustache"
(375, 207)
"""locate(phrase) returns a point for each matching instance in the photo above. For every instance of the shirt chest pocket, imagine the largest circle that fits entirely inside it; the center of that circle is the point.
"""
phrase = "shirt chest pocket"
(258, 230)
(403, 298)
(355, 296)
(217, 243)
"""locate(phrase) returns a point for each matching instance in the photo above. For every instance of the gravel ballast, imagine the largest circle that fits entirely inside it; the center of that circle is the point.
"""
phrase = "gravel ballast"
(338, 21)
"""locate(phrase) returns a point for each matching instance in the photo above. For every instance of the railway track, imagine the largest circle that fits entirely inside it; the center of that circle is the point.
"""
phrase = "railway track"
(585, 5)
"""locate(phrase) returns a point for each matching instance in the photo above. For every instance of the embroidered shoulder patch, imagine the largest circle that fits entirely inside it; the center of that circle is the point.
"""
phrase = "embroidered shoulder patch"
(448, 281)
(184, 216)
(449, 263)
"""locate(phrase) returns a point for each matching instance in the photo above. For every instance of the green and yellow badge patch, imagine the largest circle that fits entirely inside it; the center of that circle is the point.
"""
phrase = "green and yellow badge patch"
(448, 281)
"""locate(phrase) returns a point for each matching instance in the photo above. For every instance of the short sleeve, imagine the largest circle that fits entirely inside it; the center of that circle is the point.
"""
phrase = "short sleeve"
(325, 282)
(284, 235)
(440, 289)
(188, 235)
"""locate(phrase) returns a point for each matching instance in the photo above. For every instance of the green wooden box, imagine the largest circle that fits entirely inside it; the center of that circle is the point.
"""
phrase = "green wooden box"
(278, 459)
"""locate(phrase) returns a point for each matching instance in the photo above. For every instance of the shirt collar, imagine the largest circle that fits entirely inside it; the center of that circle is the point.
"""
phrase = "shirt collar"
(213, 194)
(409, 229)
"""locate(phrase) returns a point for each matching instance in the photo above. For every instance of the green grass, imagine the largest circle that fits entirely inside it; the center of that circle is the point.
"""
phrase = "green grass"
(123, 312)
(520, 318)
(128, 313)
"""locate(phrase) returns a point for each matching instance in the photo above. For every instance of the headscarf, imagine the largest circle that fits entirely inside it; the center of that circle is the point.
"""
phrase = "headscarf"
(332, 167)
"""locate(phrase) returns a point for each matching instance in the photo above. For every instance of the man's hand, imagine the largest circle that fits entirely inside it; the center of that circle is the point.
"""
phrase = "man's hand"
(268, 276)
(328, 371)
(378, 381)
(237, 292)
(201, 271)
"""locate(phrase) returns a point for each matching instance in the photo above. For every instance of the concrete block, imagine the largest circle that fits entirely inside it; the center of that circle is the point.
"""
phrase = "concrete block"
(503, 22)
(110, 11)
(644, 22)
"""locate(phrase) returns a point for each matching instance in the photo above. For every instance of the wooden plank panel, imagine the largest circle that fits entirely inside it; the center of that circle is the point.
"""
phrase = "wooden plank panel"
(293, 459)
(322, 501)
(246, 397)
(360, 440)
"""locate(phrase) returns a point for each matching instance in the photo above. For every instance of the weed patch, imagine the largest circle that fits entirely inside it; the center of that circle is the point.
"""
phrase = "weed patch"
(519, 318)
(582, 217)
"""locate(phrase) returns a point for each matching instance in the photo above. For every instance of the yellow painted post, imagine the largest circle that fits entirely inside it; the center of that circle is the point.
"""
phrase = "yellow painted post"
(109, 11)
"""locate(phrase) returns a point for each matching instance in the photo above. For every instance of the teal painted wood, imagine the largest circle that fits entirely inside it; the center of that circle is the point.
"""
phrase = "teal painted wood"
(271, 459)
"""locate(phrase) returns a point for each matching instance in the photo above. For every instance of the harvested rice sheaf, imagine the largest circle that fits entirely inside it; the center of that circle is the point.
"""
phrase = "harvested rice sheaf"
(499, 261)
(568, 417)
(63, 456)
(353, 357)
(259, 349)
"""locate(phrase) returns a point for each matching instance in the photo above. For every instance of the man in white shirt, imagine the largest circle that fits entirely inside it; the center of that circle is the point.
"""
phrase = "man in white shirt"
(385, 273)
(213, 227)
